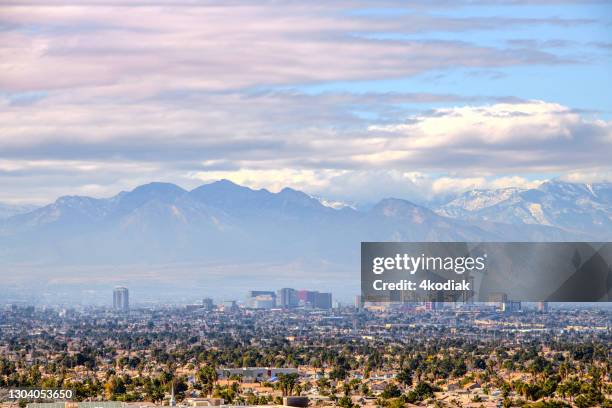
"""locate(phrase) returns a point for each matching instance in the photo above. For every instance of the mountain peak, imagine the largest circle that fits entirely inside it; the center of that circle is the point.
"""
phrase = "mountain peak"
(157, 187)
(391, 201)
(222, 186)
(396, 207)
(290, 192)
(299, 198)
(226, 183)
(164, 192)
(228, 195)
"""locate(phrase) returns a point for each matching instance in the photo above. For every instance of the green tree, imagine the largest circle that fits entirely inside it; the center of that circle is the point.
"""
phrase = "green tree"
(346, 402)
(391, 391)
(207, 377)
(405, 377)
(287, 383)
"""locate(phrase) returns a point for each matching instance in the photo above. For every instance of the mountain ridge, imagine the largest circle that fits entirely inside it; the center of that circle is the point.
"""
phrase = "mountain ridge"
(572, 207)
(162, 222)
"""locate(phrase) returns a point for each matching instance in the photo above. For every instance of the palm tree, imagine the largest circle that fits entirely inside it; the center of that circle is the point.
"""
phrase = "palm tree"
(287, 382)
(207, 375)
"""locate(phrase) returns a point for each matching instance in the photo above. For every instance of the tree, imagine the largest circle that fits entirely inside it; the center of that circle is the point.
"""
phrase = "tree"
(422, 391)
(391, 391)
(154, 390)
(405, 377)
(346, 402)
(505, 390)
(396, 403)
(548, 404)
(323, 383)
(287, 382)
(207, 376)
(113, 387)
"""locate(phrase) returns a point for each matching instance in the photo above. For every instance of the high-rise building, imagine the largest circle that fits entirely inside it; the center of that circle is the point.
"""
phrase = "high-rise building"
(121, 299)
(230, 306)
(261, 299)
(511, 306)
(542, 307)
(322, 300)
(497, 299)
(262, 302)
(358, 302)
(287, 298)
(207, 304)
(306, 298)
(255, 293)
(313, 299)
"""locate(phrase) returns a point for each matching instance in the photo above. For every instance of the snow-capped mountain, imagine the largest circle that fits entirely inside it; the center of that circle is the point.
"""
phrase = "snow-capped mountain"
(573, 207)
(162, 222)
(475, 200)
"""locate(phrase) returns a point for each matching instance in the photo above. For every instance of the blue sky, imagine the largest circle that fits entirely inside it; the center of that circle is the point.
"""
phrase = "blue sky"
(351, 100)
(578, 83)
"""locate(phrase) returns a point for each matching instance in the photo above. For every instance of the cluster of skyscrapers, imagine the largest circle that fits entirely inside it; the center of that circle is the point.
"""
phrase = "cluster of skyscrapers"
(288, 298)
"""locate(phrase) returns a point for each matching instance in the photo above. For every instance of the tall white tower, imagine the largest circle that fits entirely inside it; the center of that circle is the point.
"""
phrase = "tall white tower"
(121, 299)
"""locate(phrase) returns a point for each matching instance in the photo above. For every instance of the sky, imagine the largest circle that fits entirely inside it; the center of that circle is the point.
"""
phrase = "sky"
(348, 100)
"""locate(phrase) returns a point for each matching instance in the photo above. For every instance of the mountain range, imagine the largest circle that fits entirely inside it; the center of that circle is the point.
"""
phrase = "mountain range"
(223, 222)
(581, 209)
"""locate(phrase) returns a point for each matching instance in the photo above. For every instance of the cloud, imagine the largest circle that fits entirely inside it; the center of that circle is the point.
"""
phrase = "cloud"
(144, 48)
(274, 140)
(199, 126)
(42, 181)
(601, 175)
(101, 95)
(532, 136)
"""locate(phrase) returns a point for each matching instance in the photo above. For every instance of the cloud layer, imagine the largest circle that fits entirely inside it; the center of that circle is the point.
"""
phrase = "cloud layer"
(101, 95)
(145, 48)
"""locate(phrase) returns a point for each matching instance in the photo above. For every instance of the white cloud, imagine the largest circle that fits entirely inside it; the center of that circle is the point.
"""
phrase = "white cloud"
(102, 95)
(145, 49)
(594, 176)
(502, 123)
(529, 136)
(269, 141)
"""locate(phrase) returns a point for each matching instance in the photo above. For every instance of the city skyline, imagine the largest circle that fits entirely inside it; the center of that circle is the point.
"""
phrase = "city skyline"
(287, 298)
